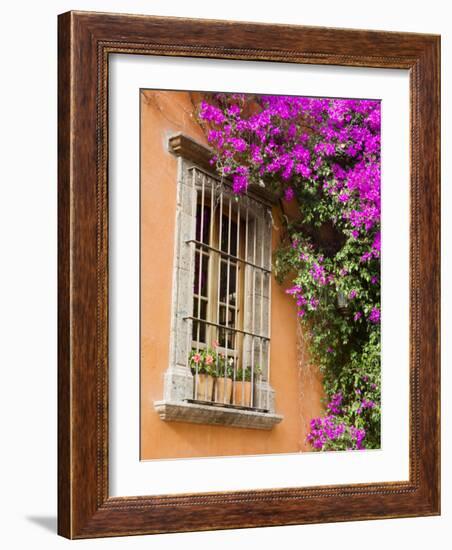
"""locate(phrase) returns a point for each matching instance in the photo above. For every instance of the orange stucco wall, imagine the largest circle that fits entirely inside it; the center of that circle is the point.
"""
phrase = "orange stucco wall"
(297, 385)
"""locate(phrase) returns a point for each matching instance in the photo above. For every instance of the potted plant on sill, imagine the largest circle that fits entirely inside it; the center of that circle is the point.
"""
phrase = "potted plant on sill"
(203, 367)
(223, 381)
(243, 385)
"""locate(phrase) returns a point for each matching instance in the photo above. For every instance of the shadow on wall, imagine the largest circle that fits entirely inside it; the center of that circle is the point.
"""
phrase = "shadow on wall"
(49, 523)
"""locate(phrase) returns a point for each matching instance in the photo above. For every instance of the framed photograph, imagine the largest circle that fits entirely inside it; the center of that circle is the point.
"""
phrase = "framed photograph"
(248, 275)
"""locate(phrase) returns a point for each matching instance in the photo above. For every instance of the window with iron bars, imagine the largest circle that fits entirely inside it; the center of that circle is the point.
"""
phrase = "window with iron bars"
(219, 353)
(230, 334)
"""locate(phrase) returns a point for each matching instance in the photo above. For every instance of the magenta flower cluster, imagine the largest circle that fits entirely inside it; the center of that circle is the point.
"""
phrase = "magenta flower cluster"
(302, 302)
(324, 430)
(294, 139)
(374, 316)
(333, 430)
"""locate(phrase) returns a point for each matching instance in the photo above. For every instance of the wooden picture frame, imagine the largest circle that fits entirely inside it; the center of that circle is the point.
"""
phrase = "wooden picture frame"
(85, 42)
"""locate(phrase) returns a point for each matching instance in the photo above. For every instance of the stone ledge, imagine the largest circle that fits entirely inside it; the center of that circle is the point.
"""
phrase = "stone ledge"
(209, 414)
(184, 146)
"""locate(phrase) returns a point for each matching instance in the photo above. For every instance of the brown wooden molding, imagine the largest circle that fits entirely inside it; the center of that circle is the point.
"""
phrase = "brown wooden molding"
(85, 508)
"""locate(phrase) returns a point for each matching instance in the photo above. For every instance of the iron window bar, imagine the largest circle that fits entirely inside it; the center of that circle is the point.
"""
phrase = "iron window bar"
(226, 255)
(226, 183)
(223, 327)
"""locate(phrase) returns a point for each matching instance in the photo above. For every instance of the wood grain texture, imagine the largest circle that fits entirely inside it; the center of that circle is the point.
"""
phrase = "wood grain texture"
(85, 42)
(64, 295)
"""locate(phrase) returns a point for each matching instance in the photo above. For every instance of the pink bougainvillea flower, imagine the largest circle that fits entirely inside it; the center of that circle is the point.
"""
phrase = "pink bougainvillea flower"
(289, 194)
(374, 316)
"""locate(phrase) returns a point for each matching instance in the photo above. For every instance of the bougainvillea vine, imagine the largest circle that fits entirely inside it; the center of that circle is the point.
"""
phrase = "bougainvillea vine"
(325, 155)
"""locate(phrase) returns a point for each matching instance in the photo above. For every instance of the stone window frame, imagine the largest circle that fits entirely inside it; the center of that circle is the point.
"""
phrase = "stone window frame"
(177, 403)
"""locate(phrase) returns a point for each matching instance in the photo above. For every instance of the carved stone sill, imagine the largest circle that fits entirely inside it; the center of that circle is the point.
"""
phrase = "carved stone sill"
(183, 411)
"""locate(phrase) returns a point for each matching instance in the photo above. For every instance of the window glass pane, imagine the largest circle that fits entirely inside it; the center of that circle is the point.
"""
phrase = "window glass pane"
(203, 273)
(203, 218)
(199, 329)
(200, 308)
(225, 236)
(227, 337)
(232, 283)
(224, 289)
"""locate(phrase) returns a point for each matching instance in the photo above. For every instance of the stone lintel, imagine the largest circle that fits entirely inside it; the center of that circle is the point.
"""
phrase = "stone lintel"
(186, 147)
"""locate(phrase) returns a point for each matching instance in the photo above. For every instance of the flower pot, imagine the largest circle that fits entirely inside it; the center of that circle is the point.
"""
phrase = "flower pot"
(242, 393)
(204, 387)
(223, 390)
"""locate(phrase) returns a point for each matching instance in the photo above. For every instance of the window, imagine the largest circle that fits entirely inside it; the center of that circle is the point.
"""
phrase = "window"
(230, 322)
(219, 368)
